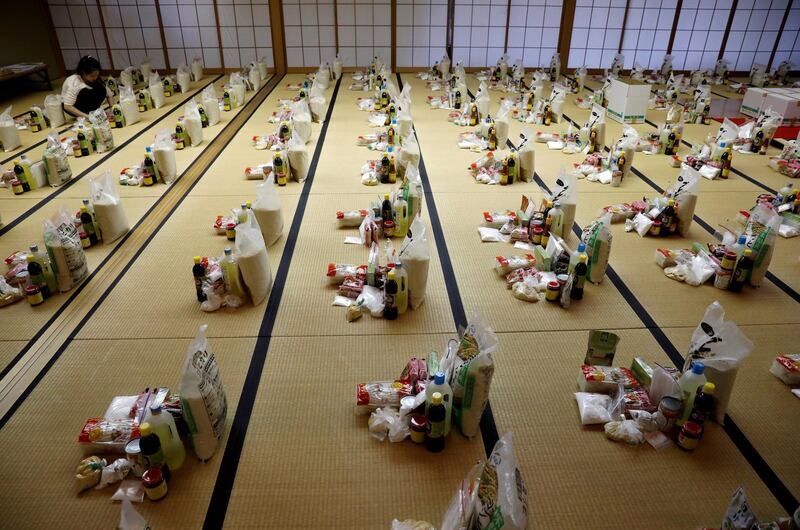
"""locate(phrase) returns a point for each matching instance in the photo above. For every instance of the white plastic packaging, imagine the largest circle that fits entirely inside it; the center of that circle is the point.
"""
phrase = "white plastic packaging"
(197, 69)
(9, 136)
(54, 108)
(156, 90)
(184, 78)
(56, 161)
(298, 158)
(301, 120)
(415, 255)
(164, 156)
(64, 247)
(111, 219)
(253, 260)
(129, 105)
(268, 211)
(192, 123)
(211, 104)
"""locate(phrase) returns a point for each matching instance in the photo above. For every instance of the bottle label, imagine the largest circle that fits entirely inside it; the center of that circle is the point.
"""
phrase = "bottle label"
(436, 430)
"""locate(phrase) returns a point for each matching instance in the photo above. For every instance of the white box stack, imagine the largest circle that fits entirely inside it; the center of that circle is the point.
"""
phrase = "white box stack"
(784, 101)
(753, 101)
(627, 101)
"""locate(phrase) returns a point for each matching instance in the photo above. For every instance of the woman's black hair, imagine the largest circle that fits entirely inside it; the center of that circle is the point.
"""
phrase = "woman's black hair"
(87, 65)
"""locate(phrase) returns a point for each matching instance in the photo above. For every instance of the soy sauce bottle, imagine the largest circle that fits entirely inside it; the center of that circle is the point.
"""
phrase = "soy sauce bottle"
(153, 454)
(390, 305)
(742, 271)
(199, 273)
(437, 414)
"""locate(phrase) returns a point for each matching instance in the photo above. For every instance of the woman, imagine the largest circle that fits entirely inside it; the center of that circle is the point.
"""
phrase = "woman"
(83, 91)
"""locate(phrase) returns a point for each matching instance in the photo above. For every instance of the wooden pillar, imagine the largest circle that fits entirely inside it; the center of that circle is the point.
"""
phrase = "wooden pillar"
(734, 5)
(565, 32)
(780, 33)
(278, 35)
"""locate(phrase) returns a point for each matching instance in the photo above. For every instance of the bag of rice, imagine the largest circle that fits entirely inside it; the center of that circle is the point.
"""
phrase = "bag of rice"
(54, 108)
(64, 247)
(407, 154)
(111, 219)
(415, 255)
(129, 105)
(684, 192)
(203, 399)
(316, 101)
(566, 192)
(197, 69)
(405, 123)
(237, 89)
(211, 104)
(482, 100)
(184, 78)
(298, 158)
(263, 69)
(253, 260)
(526, 157)
(761, 231)
(9, 135)
(301, 120)
(56, 161)
(721, 346)
(268, 212)
(597, 237)
(501, 123)
(254, 76)
(156, 90)
(103, 137)
(502, 494)
(192, 123)
(164, 156)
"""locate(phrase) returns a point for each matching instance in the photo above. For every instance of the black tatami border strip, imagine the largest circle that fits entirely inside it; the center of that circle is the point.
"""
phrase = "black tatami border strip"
(46, 368)
(223, 487)
(488, 426)
(780, 284)
(107, 156)
(75, 292)
(745, 447)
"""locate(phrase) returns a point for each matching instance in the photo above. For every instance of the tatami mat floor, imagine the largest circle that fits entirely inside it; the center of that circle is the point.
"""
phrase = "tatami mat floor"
(294, 454)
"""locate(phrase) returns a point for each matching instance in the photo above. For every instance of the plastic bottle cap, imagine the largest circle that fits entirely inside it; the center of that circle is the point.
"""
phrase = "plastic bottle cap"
(748, 252)
(197, 259)
(227, 251)
(709, 388)
(437, 398)
(583, 258)
(557, 204)
(398, 266)
(671, 202)
(582, 247)
(439, 379)
(391, 274)
(386, 196)
(698, 368)
(742, 239)
(155, 409)
(144, 429)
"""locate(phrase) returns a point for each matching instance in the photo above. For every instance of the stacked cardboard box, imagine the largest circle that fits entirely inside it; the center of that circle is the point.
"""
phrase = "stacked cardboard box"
(784, 101)
(627, 101)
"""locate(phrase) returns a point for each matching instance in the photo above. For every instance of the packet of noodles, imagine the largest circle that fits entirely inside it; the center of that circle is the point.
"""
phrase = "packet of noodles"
(337, 272)
(371, 396)
(414, 371)
(519, 275)
(497, 219)
(505, 264)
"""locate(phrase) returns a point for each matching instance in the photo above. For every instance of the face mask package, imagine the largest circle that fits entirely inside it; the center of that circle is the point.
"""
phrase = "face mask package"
(64, 247)
(203, 399)
(111, 219)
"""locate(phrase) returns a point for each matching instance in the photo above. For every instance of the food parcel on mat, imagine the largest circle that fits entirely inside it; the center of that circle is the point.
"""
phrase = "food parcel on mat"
(671, 214)
(107, 207)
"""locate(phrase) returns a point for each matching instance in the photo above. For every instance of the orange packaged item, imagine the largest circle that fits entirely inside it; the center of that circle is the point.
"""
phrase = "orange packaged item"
(370, 396)
(605, 379)
(505, 264)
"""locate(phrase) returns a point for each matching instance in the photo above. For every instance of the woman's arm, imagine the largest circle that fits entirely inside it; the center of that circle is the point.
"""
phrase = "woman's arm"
(72, 111)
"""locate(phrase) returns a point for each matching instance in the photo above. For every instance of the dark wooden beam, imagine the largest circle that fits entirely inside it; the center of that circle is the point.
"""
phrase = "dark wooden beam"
(780, 33)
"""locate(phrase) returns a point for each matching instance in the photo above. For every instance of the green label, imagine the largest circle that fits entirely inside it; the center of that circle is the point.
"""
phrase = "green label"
(469, 389)
(496, 522)
(437, 429)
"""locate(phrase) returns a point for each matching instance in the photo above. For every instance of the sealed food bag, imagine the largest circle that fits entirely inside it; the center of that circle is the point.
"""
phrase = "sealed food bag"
(9, 135)
(462, 513)
(254, 76)
(501, 123)
(203, 399)
(597, 123)
(164, 156)
(301, 120)
(184, 78)
(237, 89)
(211, 104)
(761, 231)
(471, 383)
(268, 212)
(64, 247)
(597, 237)
(323, 75)
(128, 104)
(684, 193)
(721, 346)
(502, 494)
(56, 161)
(192, 123)
(405, 123)
(197, 69)
(316, 101)
(263, 69)
(482, 100)
(298, 158)
(127, 77)
(146, 67)
(253, 260)
(111, 219)
(566, 192)
(156, 90)
(337, 67)
(103, 137)
(526, 157)
(54, 108)
(415, 255)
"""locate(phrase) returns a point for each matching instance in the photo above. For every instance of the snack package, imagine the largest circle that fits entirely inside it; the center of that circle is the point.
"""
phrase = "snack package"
(787, 368)
(107, 436)
(371, 396)
(203, 399)
(605, 379)
(505, 264)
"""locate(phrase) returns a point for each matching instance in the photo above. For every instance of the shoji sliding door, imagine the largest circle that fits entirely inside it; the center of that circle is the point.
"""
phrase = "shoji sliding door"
(365, 30)
(310, 32)
(647, 32)
(421, 32)
(80, 32)
(753, 32)
(698, 39)
(789, 44)
(596, 33)
(479, 31)
(244, 27)
(533, 28)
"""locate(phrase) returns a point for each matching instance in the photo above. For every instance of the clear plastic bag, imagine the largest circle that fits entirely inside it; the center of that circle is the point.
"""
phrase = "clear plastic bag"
(54, 108)
(9, 135)
(301, 120)
(408, 154)
(594, 409)
(211, 104)
(56, 161)
(192, 123)
(64, 247)
(504, 507)
(129, 518)
(156, 90)
(415, 255)
(253, 259)
(462, 513)
(268, 211)
(184, 78)
(164, 156)
(298, 158)
(111, 219)
(721, 346)
(131, 490)
(129, 105)
(103, 137)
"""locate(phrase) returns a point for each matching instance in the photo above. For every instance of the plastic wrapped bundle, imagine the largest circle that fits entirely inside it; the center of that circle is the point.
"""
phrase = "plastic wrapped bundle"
(184, 77)
(54, 108)
(156, 90)
(56, 162)
(64, 247)
(237, 89)
(211, 104)
(128, 104)
(192, 123)
(164, 156)
(103, 137)
(197, 70)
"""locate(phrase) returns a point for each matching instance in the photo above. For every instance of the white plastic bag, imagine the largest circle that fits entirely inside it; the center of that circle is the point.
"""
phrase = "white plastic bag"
(462, 511)
(594, 409)
(597, 237)
(761, 230)
(408, 154)
(504, 507)
(128, 77)
(501, 123)
(192, 123)
(566, 192)
(263, 69)
(56, 161)
(129, 105)
(9, 136)
(203, 399)
(156, 90)
(184, 78)
(405, 123)
(103, 137)
(684, 193)
(164, 156)
(301, 120)
(415, 255)
(337, 67)
(254, 76)
(482, 100)
(211, 104)
(129, 518)
(54, 108)
(721, 346)
(268, 211)
(323, 75)
(253, 259)
(526, 157)
(111, 219)
(197, 69)
(316, 101)
(298, 158)
(64, 247)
